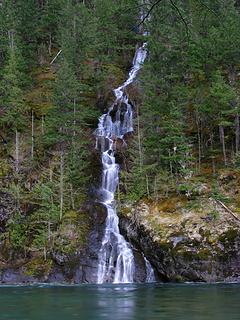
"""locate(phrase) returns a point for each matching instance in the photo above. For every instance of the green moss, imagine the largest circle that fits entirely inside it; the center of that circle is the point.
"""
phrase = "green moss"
(203, 254)
(5, 246)
(4, 168)
(70, 215)
(204, 233)
(237, 210)
(165, 246)
(211, 239)
(185, 254)
(38, 267)
(209, 269)
(125, 211)
(188, 255)
(223, 257)
(193, 205)
(170, 205)
(179, 278)
(73, 232)
(229, 236)
(214, 214)
(113, 73)
(83, 227)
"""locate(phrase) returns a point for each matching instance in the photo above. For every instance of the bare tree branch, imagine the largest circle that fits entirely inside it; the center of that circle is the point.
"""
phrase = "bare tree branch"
(148, 13)
(181, 17)
(207, 7)
(56, 56)
(178, 11)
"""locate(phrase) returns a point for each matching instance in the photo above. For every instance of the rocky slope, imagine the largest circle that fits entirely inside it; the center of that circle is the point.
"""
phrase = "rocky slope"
(186, 240)
(71, 255)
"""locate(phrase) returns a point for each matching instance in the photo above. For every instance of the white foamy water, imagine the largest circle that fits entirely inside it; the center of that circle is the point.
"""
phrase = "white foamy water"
(116, 259)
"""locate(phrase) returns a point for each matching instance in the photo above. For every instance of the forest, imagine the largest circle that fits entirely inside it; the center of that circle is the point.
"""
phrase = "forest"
(60, 61)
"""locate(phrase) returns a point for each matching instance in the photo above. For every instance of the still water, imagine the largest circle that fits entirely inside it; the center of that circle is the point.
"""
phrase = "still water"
(121, 302)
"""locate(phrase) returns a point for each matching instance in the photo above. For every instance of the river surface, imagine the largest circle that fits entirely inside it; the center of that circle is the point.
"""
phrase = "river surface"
(115, 302)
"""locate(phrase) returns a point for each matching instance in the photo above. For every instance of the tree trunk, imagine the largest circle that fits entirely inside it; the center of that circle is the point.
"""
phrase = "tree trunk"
(147, 186)
(50, 44)
(213, 158)
(199, 142)
(222, 139)
(61, 184)
(237, 132)
(155, 187)
(42, 125)
(17, 151)
(51, 180)
(32, 148)
(74, 117)
(170, 162)
(11, 39)
(72, 197)
(232, 76)
(49, 231)
(45, 253)
(139, 141)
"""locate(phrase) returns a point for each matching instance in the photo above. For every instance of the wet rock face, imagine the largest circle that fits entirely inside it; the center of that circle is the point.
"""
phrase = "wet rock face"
(77, 265)
(140, 267)
(9, 276)
(75, 269)
(80, 266)
(183, 245)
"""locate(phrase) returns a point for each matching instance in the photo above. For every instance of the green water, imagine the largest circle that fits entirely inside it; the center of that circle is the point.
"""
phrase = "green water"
(149, 302)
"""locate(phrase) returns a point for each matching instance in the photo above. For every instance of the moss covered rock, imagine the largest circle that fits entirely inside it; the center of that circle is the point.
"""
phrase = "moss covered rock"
(185, 241)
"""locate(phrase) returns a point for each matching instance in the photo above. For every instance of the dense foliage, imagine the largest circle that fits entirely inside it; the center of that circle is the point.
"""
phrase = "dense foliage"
(59, 60)
(189, 114)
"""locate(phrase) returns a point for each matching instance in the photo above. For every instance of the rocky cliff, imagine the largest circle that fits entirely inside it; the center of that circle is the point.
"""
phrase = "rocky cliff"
(185, 240)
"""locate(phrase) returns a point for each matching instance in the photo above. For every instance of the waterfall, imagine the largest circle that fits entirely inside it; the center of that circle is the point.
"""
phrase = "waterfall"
(116, 259)
(150, 276)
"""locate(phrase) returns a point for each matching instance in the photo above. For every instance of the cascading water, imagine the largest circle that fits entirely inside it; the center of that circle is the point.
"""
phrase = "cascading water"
(116, 259)
(150, 276)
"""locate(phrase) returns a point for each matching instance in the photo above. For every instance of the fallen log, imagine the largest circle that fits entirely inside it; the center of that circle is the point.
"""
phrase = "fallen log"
(228, 210)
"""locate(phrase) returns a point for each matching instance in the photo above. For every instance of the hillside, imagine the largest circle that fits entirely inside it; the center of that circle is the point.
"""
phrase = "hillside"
(179, 168)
